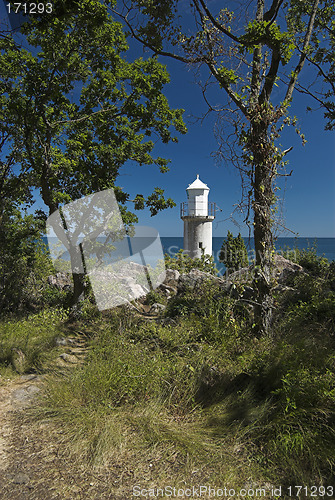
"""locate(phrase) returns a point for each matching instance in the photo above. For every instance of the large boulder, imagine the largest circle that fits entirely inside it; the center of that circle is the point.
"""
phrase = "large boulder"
(285, 269)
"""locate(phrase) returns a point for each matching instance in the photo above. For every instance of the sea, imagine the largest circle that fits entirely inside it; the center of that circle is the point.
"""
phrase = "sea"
(324, 247)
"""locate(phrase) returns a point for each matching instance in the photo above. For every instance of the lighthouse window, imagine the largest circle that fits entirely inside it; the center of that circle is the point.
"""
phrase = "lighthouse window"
(200, 244)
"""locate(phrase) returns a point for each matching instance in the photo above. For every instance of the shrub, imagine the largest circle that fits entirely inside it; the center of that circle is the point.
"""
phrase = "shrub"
(309, 260)
(234, 254)
(25, 265)
(184, 263)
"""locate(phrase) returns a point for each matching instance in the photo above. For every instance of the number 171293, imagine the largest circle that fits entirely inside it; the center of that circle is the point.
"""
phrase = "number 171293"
(31, 8)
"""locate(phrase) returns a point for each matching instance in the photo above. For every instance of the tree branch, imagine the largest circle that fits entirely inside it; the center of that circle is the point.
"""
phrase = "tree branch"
(214, 21)
(154, 49)
(256, 61)
(228, 89)
(303, 56)
(272, 13)
(270, 77)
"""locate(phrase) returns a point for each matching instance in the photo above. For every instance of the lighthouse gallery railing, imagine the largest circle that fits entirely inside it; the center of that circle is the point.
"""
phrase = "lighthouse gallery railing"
(184, 209)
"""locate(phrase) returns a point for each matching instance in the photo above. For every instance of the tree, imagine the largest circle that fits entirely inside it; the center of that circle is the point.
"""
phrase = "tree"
(80, 109)
(256, 56)
(233, 254)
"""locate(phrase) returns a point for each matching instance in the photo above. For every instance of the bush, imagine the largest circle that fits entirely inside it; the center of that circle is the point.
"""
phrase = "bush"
(234, 254)
(25, 265)
(309, 260)
(184, 263)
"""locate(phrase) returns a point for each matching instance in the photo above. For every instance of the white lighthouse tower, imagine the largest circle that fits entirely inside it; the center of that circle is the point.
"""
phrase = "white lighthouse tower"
(198, 216)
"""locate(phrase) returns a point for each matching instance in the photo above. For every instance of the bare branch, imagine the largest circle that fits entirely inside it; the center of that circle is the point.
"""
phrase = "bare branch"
(272, 13)
(284, 153)
(303, 56)
(214, 21)
(270, 77)
(154, 49)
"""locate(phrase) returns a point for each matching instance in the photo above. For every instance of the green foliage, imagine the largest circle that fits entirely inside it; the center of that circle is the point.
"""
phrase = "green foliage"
(204, 373)
(72, 148)
(248, 53)
(228, 76)
(234, 254)
(153, 297)
(269, 33)
(24, 265)
(184, 263)
(307, 258)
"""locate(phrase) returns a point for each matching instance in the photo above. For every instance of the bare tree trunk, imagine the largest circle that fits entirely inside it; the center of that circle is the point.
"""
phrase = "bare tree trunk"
(78, 265)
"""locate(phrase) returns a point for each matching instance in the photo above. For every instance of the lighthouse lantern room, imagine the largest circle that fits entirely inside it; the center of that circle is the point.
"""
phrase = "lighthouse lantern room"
(198, 216)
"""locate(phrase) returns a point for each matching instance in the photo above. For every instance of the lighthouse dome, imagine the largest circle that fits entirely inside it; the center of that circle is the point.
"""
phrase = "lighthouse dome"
(197, 195)
(198, 184)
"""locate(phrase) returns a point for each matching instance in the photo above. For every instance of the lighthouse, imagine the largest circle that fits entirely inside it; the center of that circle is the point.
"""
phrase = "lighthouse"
(198, 216)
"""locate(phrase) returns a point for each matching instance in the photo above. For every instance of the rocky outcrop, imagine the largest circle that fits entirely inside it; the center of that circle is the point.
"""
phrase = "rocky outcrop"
(195, 279)
(62, 281)
(129, 283)
(285, 269)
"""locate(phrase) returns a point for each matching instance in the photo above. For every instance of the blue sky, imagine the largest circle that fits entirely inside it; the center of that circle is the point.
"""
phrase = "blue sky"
(308, 195)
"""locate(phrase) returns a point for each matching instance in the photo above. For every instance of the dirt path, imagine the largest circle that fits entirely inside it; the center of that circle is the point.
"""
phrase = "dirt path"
(15, 396)
(34, 461)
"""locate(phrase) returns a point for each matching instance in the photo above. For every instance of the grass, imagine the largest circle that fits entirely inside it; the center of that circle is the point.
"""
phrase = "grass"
(235, 408)
(27, 344)
(193, 397)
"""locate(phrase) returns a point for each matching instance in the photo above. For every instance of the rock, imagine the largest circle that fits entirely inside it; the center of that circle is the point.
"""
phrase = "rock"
(285, 269)
(195, 279)
(241, 276)
(171, 275)
(21, 478)
(69, 358)
(23, 396)
(157, 308)
(60, 341)
(168, 290)
(170, 280)
(18, 360)
(62, 281)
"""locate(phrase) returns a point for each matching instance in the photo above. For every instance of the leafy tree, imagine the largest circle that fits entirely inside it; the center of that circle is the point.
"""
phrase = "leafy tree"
(234, 254)
(255, 55)
(80, 109)
(24, 263)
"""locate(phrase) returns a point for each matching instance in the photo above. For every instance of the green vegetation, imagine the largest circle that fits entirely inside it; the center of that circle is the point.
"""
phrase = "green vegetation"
(183, 263)
(234, 253)
(26, 345)
(195, 383)
(256, 58)
(75, 109)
